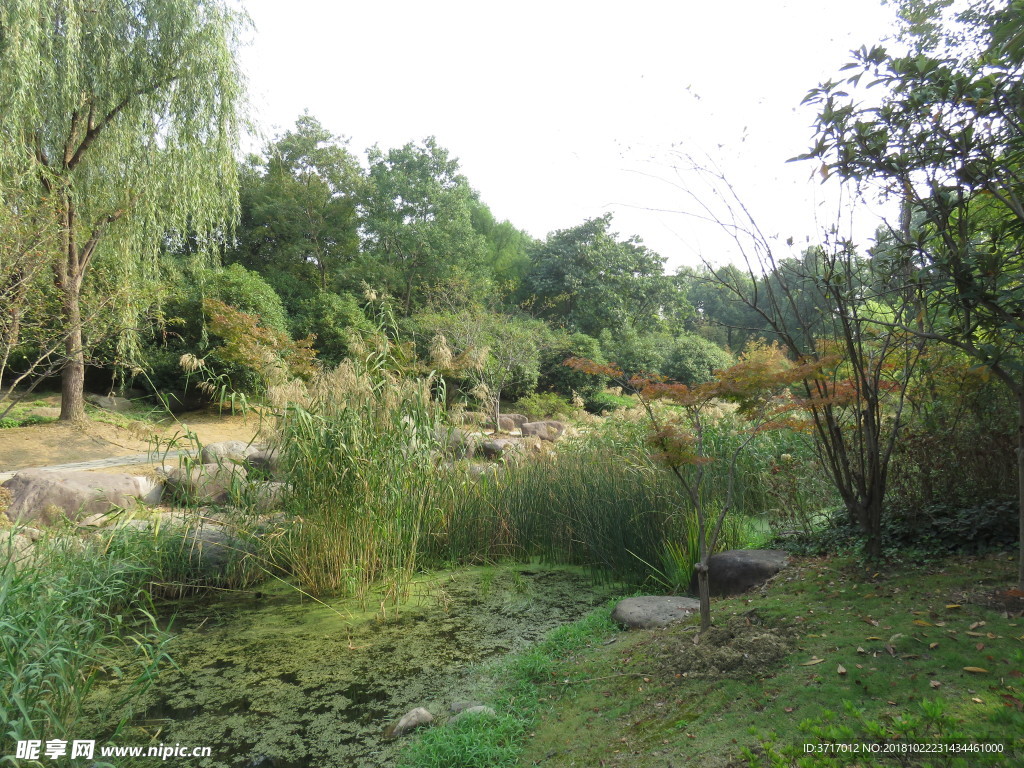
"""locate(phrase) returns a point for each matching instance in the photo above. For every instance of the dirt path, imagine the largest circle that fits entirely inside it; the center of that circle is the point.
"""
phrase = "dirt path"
(48, 445)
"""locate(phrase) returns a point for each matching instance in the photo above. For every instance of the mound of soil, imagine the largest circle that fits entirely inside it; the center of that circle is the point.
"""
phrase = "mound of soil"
(742, 647)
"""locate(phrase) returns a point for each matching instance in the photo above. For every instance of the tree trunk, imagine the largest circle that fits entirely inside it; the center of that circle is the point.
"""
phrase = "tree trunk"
(72, 376)
(704, 594)
(1020, 487)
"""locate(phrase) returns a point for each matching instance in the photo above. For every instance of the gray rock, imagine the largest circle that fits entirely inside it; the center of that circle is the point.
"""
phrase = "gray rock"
(46, 496)
(457, 442)
(545, 430)
(411, 720)
(501, 448)
(484, 471)
(479, 709)
(265, 460)
(460, 706)
(472, 418)
(653, 612)
(204, 483)
(509, 421)
(736, 571)
(229, 450)
(16, 548)
(209, 547)
(262, 497)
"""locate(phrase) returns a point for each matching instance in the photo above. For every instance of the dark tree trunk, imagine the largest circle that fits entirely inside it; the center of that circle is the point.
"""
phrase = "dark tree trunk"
(72, 377)
(1020, 487)
(704, 594)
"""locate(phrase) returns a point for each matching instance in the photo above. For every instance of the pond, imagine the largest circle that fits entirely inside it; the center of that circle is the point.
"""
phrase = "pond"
(281, 681)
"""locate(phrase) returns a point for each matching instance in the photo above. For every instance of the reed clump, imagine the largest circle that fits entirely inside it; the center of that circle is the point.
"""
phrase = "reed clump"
(373, 499)
(71, 613)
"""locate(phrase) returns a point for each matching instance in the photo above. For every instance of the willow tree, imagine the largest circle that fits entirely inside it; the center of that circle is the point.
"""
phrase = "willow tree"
(123, 115)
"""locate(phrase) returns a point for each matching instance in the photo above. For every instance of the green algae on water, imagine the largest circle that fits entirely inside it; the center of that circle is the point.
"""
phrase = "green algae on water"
(283, 682)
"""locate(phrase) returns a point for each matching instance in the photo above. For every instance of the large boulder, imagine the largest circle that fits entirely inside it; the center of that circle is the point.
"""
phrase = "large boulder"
(265, 461)
(737, 570)
(654, 611)
(209, 548)
(509, 421)
(501, 448)
(414, 718)
(228, 451)
(456, 442)
(545, 430)
(45, 496)
(470, 418)
(204, 483)
(15, 547)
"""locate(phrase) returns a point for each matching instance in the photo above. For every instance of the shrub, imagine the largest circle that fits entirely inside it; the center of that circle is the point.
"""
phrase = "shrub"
(691, 360)
(559, 378)
(331, 318)
(544, 405)
(602, 402)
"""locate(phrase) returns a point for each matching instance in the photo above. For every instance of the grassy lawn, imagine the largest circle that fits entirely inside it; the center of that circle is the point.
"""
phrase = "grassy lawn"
(914, 654)
(822, 634)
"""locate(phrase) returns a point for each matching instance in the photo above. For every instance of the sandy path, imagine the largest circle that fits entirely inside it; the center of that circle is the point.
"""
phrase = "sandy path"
(47, 445)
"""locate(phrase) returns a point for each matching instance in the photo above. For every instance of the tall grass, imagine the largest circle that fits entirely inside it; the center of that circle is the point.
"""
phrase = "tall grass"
(66, 612)
(358, 449)
(372, 500)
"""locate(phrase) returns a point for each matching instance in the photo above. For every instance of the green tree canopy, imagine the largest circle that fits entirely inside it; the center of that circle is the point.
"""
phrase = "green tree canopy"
(418, 227)
(587, 280)
(299, 208)
(123, 116)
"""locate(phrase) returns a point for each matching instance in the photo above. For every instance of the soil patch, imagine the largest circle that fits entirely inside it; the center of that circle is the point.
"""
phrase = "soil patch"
(743, 647)
(1007, 601)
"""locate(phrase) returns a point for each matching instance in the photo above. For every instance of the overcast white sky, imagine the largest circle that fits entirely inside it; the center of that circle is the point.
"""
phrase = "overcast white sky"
(562, 110)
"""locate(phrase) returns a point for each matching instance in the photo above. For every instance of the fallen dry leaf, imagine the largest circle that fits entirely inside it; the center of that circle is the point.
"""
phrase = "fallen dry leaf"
(977, 624)
(976, 700)
(841, 669)
(935, 684)
(814, 660)
(951, 606)
(979, 646)
(933, 646)
(860, 650)
(976, 670)
(922, 623)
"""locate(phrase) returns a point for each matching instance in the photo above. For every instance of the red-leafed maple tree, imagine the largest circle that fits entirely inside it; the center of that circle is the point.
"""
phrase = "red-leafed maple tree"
(759, 385)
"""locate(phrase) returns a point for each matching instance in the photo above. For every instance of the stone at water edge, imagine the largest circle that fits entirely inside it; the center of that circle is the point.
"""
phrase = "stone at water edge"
(737, 570)
(411, 720)
(479, 709)
(654, 612)
(457, 442)
(45, 496)
(462, 706)
(204, 483)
